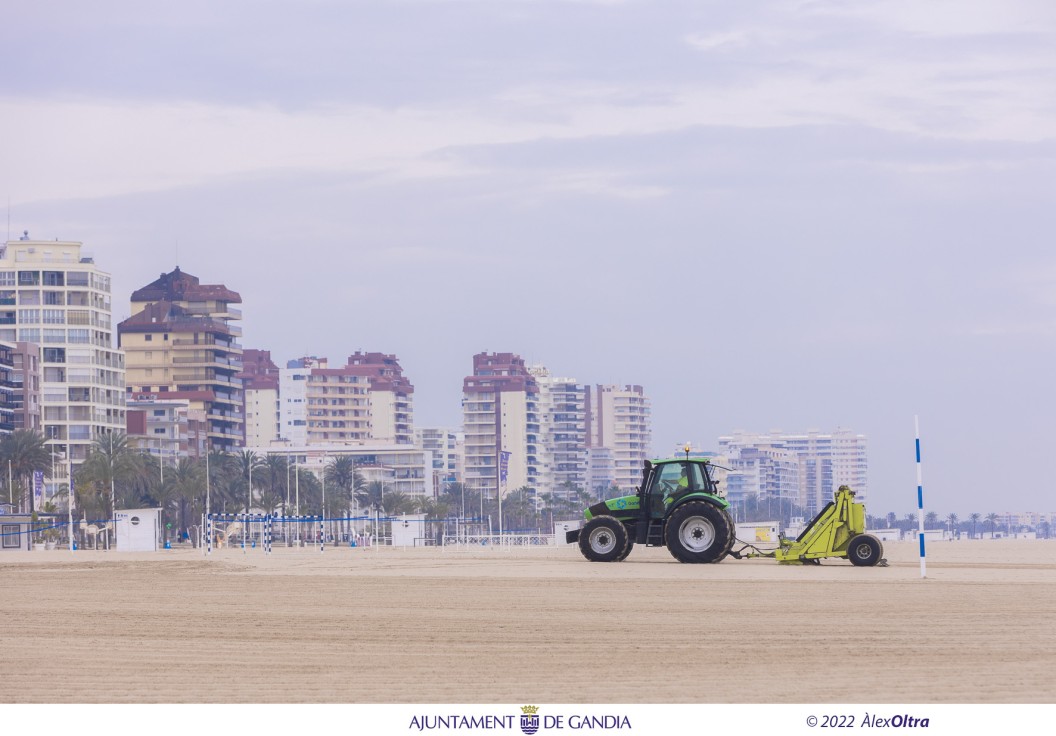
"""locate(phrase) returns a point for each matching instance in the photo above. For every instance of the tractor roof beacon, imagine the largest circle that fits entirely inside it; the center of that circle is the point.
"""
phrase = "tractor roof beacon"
(678, 506)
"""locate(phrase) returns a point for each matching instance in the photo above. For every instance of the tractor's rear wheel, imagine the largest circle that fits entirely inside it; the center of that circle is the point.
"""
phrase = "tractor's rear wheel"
(864, 550)
(626, 550)
(603, 539)
(733, 532)
(699, 532)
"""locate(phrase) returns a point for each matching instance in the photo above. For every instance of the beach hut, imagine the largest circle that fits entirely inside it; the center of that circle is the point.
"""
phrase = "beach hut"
(14, 532)
(137, 530)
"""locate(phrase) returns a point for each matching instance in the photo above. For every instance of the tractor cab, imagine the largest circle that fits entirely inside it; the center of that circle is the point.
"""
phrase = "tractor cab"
(666, 483)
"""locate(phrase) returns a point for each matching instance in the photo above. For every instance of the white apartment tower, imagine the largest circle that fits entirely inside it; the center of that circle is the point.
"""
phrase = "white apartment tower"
(500, 414)
(563, 441)
(53, 294)
(619, 418)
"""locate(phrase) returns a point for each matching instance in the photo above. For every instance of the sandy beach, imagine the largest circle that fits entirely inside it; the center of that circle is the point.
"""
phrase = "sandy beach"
(532, 625)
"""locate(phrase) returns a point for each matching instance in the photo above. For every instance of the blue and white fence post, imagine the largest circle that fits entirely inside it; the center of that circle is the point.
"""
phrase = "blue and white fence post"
(209, 534)
(322, 535)
(920, 502)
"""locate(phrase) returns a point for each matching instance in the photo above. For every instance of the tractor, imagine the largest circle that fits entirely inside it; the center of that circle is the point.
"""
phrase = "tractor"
(680, 506)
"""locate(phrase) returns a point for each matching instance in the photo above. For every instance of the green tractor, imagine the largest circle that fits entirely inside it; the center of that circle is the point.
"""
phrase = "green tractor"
(678, 506)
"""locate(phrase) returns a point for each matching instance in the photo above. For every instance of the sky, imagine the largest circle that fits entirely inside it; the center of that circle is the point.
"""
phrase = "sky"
(796, 214)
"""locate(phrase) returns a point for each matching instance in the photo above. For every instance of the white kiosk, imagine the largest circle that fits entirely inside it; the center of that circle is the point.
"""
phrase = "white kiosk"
(137, 530)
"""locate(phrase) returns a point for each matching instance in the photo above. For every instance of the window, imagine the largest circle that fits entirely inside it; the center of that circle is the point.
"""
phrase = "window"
(79, 336)
(11, 535)
(51, 316)
(7, 278)
(28, 316)
(148, 338)
(28, 278)
(76, 278)
(55, 336)
(29, 335)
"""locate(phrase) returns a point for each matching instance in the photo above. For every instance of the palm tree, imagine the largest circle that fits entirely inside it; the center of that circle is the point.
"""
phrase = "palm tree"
(188, 480)
(112, 463)
(891, 519)
(952, 520)
(373, 495)
(464, 499)
(397, 503)
(342, 476)
(519, 508)
(248, 464)
(931, 519)
(274, 483)
(992, 518)
(975, 520)
(23, 452)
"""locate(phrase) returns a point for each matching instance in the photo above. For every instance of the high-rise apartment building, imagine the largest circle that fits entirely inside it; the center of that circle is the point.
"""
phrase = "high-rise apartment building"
(181, 343)
(26, 376)
(366, 400)
(446, 447)
(293, 399)
(260, 392)
(562, 446)
(619, 418)
(500, 413)
(7, 388)
(52, 294)
(815, 463)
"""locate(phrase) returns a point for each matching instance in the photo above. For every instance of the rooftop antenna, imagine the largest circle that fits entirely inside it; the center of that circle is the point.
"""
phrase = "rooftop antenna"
(177, 253)
(8, 218)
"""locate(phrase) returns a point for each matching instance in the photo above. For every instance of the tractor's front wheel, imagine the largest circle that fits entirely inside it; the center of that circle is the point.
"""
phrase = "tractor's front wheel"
(603, 539)
(699, 532)
(864, 550)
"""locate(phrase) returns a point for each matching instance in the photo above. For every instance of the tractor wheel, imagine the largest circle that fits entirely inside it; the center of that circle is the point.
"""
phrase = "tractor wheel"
(626, 550)
(864, 550)
(699, 532)
(733, 532)
(603, 539)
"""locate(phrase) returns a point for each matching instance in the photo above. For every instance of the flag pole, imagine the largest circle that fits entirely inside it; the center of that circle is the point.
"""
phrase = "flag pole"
(920, 501)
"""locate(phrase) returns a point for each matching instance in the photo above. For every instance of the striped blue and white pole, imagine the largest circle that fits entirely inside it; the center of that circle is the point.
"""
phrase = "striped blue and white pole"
(322, 536)
(920, 502)
(209, 534)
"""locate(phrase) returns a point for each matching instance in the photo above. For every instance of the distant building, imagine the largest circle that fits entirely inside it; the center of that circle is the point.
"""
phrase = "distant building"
(500, 413)
(53, 295)
(810, 465)
(367, 400)
(446, 446)
(8, 388)
(168, 429)
(26, 377)
(260, 391)
(620, 419)
(293, 399)
(403, 469)
(181, 341)
(562, 446)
